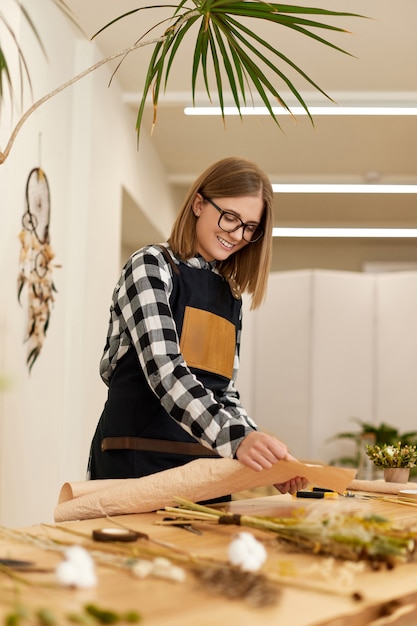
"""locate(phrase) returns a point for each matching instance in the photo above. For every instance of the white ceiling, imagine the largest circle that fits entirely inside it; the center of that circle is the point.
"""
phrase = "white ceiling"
(383, 68)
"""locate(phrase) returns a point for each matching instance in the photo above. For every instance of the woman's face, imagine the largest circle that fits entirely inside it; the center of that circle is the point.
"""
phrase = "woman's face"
(213, 243)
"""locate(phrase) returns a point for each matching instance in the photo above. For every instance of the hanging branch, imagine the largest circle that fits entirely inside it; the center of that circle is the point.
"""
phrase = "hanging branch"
(38, 103)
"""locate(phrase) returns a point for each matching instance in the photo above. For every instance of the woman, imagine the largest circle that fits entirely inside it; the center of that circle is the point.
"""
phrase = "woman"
(172, 350)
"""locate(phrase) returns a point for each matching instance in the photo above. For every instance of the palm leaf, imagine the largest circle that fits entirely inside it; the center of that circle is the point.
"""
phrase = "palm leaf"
(152, 70)
(176, 43)
(234, 47)
(200, 54)
(255, 75)
(5, 76)
(239, 72)
(159, 67)
(227, 65)
(217, 72)
(232, 36)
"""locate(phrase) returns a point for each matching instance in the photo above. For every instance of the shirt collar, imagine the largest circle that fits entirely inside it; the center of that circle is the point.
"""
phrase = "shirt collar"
(197, 261)
(201, 263)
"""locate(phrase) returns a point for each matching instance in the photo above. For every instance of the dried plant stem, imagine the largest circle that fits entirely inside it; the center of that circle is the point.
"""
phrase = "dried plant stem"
(14, 576)
(203, 513)
(400, 500)
(115, 555)
(339, 534)
(163, 544)
(394, 500)
(308, 585)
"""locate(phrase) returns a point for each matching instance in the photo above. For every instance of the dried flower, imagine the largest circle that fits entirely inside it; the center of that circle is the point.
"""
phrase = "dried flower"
(392, 455)
(255, 588)
(246, 552)
(77, 570)
(160, 567)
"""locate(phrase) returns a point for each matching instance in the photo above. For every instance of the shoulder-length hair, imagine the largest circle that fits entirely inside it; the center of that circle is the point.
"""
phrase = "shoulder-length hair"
(248, 268)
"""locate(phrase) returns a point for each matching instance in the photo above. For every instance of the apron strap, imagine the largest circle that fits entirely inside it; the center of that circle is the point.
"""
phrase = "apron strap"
(156, 445)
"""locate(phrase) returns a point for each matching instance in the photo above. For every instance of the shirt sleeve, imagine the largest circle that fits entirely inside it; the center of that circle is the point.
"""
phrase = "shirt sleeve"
(141, 315)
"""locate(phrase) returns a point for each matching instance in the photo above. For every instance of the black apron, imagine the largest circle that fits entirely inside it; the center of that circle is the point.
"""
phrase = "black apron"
(135, 436)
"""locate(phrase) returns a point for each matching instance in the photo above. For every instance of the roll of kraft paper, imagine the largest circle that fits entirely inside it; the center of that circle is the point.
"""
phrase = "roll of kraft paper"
(201, 479)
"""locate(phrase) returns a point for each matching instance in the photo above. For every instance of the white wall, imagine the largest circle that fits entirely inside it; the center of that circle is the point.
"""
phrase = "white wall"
(84, 139)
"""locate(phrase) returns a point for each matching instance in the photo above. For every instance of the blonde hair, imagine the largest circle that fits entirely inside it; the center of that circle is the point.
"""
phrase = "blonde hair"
(228, 178)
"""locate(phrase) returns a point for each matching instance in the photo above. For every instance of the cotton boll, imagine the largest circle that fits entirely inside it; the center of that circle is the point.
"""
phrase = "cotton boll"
(247, 552)
(160, 567)
(66, 573)
(142, 568)
(163, 568)
(77, 570)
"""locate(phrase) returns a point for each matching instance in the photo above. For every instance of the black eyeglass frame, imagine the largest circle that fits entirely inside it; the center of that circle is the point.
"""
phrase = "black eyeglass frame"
(241, 225)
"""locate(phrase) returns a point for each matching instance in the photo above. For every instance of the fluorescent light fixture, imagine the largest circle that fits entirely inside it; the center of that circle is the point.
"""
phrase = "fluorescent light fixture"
(298, 110)
(342, 188)
(345, 232)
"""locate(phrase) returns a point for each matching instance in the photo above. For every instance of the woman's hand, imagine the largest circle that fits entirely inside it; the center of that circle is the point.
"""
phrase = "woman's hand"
(261, 451)
(293, 485)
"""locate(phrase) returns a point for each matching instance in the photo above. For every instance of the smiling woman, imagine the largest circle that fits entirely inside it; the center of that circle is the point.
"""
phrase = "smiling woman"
(172, 351)
(231, 222)
(228, 229)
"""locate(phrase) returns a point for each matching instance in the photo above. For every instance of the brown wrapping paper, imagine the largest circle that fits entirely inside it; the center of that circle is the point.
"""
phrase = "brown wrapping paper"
(202, 479)
(379, 486)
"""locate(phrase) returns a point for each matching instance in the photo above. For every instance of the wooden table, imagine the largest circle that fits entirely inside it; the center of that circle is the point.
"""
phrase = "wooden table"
(166, 603)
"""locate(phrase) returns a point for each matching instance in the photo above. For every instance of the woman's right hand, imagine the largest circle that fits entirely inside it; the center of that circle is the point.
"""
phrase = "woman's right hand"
(261, 451)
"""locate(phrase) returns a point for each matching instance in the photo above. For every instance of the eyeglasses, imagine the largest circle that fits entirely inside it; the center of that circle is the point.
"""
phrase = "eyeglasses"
(229, 222)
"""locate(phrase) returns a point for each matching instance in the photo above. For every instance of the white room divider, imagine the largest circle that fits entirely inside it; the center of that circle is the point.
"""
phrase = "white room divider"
(327, 346)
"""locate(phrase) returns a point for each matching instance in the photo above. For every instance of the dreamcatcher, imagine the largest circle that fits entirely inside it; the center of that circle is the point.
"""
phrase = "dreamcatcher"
(35, 262)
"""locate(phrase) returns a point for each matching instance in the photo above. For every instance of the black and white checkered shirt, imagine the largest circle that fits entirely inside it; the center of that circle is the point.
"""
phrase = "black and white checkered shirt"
(140, 314)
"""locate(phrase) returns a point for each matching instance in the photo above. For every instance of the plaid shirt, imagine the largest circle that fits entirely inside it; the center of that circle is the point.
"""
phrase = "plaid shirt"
(140, 314)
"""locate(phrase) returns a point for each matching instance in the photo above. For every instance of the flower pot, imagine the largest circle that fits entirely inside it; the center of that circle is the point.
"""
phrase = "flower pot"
(396, 474)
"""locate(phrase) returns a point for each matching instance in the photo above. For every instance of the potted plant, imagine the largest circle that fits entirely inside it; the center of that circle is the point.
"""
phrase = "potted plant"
(396, 459)
(370, 434)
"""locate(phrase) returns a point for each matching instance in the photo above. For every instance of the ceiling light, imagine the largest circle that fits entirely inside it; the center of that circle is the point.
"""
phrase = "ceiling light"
(342, 188)
(298, 110)
(345, 232)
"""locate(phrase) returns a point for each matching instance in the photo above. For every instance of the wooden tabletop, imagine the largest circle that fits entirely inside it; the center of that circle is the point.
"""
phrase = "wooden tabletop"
(190, 603)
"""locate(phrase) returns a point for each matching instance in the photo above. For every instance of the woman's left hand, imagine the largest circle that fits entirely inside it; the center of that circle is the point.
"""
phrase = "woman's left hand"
(292, 486)
(295, 484)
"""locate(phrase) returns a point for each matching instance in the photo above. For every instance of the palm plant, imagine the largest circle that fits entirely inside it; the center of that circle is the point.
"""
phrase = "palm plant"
(225, 38)
(226, 41)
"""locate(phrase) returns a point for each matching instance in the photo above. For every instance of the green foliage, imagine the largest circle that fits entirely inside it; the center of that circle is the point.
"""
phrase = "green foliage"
(382, 434)
(104, 616)
(225, 41)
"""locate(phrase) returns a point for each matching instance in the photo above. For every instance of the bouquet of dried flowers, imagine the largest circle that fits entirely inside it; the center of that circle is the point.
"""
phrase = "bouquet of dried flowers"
(337, 531)
(393, 455)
